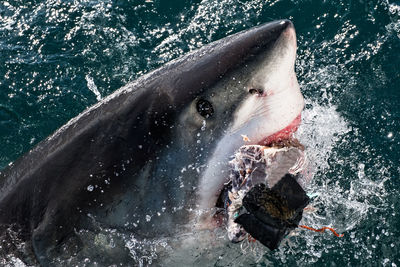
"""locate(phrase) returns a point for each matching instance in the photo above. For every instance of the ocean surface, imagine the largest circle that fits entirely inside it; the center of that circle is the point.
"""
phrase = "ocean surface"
(58, 57)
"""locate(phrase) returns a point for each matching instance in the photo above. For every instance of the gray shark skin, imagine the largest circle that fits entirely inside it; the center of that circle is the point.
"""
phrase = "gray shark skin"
(146, 152)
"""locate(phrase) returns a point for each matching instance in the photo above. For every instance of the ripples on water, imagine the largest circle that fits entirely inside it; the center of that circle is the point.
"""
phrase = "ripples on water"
(60, 57)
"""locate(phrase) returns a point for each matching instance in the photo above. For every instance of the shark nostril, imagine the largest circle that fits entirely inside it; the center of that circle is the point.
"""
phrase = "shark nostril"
(254, 91)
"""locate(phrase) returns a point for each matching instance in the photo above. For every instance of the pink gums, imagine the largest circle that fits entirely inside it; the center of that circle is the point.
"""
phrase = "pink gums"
(284, 134)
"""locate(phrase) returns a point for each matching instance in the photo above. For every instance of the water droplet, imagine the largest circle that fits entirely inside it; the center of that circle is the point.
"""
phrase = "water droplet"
(90, 188)
(148, 218)
(203, 127)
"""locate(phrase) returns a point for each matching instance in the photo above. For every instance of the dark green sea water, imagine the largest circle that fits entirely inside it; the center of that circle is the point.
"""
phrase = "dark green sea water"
(58, 57)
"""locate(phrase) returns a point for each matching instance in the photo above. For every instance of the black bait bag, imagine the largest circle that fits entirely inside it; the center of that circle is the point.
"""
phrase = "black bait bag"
(269, 214)
(264, 196)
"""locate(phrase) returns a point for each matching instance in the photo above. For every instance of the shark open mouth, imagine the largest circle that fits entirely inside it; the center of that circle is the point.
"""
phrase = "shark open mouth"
(284, 134)
(264, 197)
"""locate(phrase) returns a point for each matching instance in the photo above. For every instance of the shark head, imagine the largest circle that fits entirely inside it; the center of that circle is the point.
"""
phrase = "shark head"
(256, 102)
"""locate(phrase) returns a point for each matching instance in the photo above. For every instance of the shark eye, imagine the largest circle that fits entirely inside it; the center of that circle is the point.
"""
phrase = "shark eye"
(254, 91)
(204, 108)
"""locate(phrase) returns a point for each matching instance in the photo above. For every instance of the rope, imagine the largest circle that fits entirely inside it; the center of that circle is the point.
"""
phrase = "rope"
(321, 230)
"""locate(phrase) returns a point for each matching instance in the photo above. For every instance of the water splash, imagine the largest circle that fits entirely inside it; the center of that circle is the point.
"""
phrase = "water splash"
(92, 87)
(350, 174)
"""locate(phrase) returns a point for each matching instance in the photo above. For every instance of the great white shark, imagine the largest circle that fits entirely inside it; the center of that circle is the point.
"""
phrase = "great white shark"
(150, 157)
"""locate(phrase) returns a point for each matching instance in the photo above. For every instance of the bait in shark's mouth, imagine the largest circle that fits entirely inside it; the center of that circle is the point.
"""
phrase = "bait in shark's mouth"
(264, 196)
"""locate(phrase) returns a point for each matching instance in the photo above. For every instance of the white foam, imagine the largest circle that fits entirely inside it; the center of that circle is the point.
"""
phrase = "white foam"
(92, 87)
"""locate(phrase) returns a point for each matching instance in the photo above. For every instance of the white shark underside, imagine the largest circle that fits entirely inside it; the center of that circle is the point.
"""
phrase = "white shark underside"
(156, 148)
